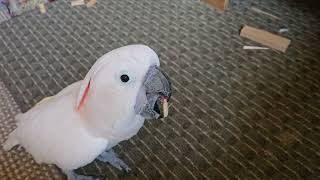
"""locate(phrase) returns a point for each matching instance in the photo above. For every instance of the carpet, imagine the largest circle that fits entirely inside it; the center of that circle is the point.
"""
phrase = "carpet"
(248, 114)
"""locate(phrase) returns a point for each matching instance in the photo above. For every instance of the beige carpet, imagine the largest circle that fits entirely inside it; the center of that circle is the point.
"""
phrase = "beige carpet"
(18, 164)
(235, 114)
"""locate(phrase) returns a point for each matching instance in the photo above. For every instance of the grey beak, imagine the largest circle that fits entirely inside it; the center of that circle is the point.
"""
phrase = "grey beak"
(156, 88)
(157, 81)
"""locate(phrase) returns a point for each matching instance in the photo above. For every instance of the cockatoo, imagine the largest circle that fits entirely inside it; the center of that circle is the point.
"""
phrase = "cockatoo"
(86, 119)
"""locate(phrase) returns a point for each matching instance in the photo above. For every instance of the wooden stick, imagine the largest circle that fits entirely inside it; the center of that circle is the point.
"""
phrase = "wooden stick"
(165, 108)
(77, 2)
(42, 8)
(91, 3)
(219, 4)
(265, 38)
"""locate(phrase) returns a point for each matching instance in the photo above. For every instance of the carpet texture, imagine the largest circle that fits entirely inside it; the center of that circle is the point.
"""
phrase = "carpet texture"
(18, 164)
(248, 114)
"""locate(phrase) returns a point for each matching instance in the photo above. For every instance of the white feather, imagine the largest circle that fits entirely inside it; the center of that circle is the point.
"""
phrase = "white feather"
(56, 132)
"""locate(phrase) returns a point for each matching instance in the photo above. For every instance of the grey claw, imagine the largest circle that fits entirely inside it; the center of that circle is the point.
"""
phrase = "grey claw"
(124, 166)
(112, 158)
(73, 176)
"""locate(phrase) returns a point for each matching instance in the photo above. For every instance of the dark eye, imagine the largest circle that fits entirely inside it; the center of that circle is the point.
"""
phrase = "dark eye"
(124, 78)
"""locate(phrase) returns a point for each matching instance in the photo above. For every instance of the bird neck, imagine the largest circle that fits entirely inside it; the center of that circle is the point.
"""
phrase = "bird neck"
(107, 118)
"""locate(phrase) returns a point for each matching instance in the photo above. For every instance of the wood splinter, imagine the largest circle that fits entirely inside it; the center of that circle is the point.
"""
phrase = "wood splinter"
(254, 47)
(165, 108)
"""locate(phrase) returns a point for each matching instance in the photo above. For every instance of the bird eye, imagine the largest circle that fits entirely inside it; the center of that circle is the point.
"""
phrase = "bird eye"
(124, 78)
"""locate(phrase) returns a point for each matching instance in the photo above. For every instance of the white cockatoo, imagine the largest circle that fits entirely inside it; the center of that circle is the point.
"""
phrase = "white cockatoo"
(86, 119)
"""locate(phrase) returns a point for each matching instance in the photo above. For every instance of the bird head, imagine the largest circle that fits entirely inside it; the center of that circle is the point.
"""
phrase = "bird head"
(122, 84)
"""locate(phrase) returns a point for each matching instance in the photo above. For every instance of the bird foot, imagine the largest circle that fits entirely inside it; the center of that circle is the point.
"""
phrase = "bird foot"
(112, 158)
(71, 175)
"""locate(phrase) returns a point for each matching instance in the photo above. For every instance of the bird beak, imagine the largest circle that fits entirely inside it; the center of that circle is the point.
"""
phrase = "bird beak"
(157, 88)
